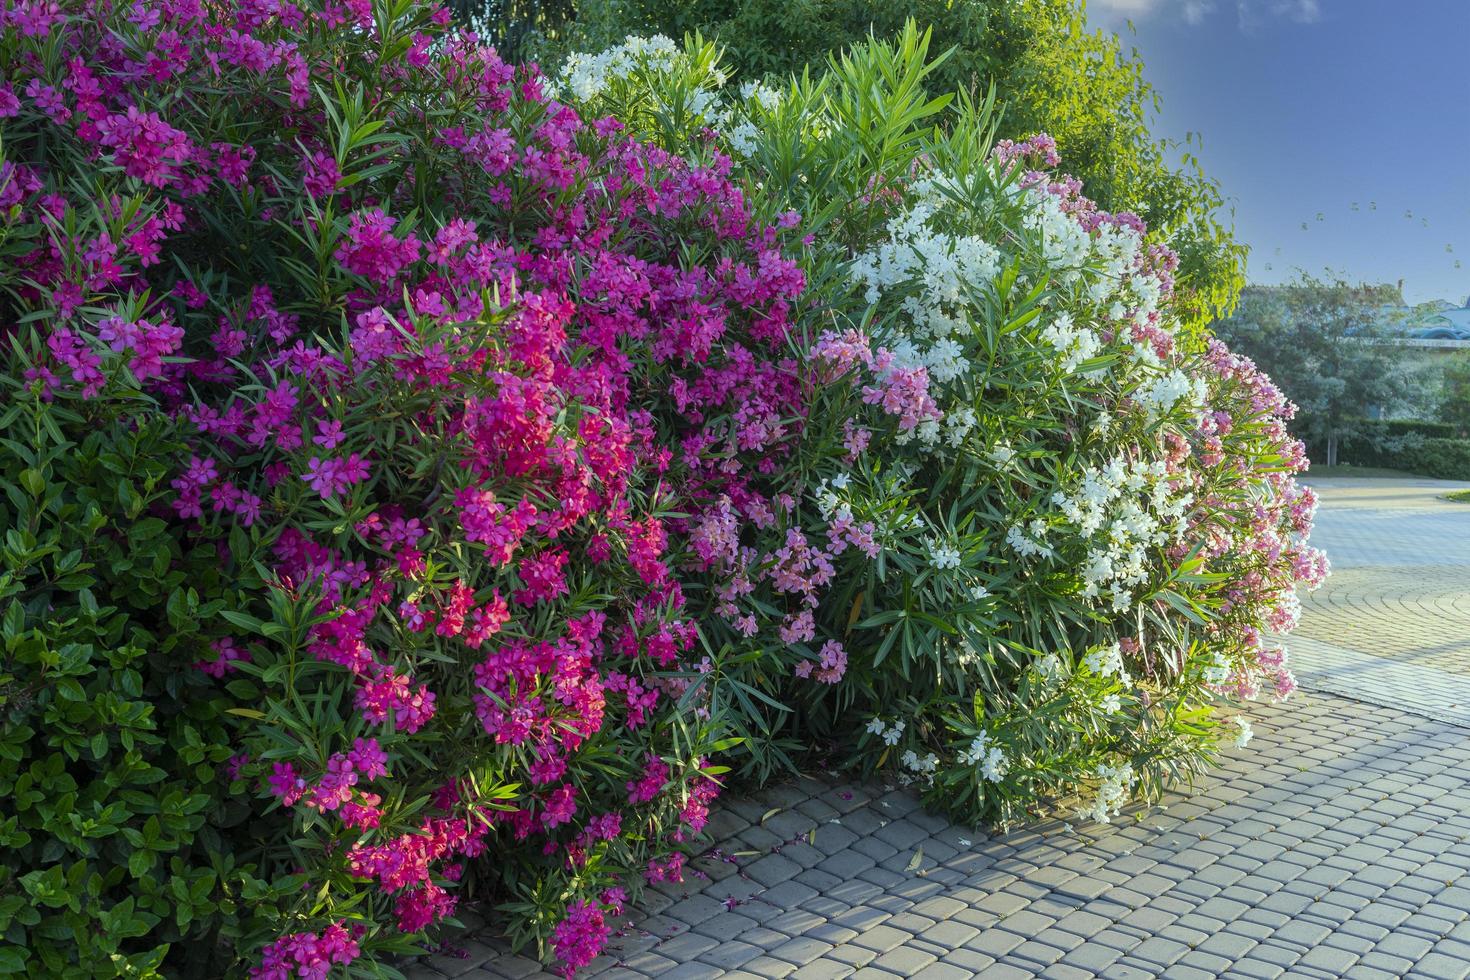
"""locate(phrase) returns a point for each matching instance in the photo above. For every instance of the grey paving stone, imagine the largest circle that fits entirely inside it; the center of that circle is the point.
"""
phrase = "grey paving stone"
(731, 953)
(1441, 966)
(1330, 959)
(950, 934)
(905, 961)
(726, 925)
(943, 971)
(996, 942)
(1093, 956)
(1404, 945)
(823, 970)
(773, 869)
(1256, 969)
(847, 863)
(1008, 971)
(801, 950)
(1301, 932)
(881, 938)
(687, 946)
(769, 967)
(1396, 965)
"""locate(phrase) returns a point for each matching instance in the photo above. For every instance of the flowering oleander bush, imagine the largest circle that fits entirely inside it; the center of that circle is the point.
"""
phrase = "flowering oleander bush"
(1038, 537)
(484, 448)
(438, 364)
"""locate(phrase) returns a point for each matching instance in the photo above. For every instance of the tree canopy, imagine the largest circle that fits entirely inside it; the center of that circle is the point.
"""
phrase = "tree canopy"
(1326, 344)
(1454, 405)
(1050, 73)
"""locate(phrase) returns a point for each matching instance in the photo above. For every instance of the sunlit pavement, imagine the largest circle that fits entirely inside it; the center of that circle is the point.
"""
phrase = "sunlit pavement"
(1392, 623)
(1337, 844)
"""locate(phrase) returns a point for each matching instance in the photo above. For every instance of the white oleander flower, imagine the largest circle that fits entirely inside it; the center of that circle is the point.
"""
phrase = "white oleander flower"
(586, 76)
(769, 98)
(1049, 669)
(1244, 736)
(1002, 455)
(987, 757)
(943, 556)
(1032, 545)
(1107, 662)
(1112, 792)
(743, 137)
(1219, 671)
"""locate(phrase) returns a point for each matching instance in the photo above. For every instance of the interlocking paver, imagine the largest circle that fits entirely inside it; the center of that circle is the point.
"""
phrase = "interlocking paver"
(1337, 845)
(1392, 623)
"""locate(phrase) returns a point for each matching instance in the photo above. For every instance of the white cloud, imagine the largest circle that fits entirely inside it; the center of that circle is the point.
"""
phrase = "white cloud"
(1249, 13)
(1195, 11)
(1301, 11)
(1192, 11)
(1127, 8)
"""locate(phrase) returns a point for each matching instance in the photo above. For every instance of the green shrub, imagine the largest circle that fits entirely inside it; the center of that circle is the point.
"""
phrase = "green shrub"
(1038, 533)
(1443, 459)
(1454, 395)
(1382, 433)
(1418, 446)
(116, 811)
(1422, 427)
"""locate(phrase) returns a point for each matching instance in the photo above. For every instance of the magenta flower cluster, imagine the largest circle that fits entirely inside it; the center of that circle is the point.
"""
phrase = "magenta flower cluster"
(443, 375)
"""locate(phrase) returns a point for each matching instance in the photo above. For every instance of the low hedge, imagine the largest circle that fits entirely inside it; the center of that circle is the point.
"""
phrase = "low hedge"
(1421, 427)
(1444, 459)
(1420, 446)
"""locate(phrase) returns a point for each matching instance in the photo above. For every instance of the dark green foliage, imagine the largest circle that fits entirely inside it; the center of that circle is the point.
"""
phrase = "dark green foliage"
(1386, 435)
(520, 28)
(114, 797)
(1408, 446)
(1422, 427)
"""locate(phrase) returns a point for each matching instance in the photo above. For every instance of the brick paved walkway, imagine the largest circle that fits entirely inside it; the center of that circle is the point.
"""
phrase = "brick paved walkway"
(1392, 623)
(1337, 844)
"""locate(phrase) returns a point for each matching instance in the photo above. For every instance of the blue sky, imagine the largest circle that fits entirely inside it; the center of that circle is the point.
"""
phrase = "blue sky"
(1307, 108)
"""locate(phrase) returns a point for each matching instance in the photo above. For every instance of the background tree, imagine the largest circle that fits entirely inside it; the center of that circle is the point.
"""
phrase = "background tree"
(1327, 345)
(1454, 406)
(520, 29)
(1050, 74)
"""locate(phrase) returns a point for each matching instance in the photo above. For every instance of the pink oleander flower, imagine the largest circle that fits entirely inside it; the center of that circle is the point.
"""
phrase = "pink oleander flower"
(226, 660)
(655, 777)
(145, 146)
(371, 248)
(285, 784)
(332, 477)
(307, 955)
(580, 936)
